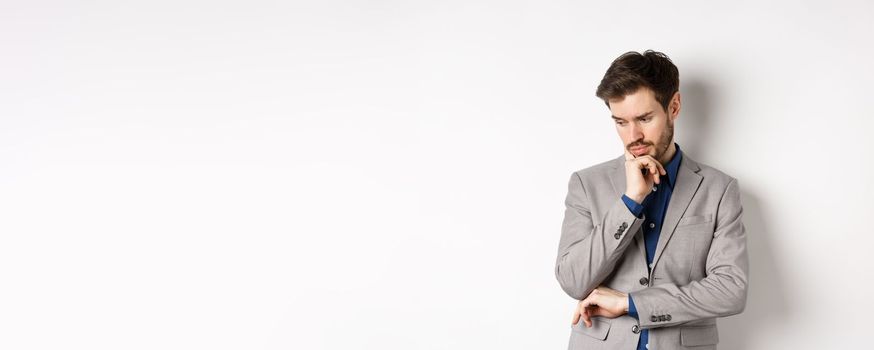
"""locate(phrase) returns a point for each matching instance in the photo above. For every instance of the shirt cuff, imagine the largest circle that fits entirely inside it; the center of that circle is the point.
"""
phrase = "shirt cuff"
(632, 311)
(633, 206)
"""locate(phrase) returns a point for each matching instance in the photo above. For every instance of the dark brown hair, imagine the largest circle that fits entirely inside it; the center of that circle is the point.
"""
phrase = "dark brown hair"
(632, 70)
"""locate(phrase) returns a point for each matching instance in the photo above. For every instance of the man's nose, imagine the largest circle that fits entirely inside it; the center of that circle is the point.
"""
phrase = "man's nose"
(636, 131)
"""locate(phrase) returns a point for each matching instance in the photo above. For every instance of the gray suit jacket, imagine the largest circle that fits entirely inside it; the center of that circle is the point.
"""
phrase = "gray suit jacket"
(699, 269)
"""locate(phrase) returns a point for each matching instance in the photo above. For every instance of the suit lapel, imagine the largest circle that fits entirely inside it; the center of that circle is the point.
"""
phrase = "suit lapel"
(685, 187)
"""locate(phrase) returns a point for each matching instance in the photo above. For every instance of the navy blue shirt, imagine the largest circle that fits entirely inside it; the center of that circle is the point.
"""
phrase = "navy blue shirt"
(653, 207)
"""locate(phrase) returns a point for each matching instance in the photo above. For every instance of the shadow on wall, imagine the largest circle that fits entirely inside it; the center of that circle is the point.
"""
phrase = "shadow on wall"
(693, 126)
(766, 298)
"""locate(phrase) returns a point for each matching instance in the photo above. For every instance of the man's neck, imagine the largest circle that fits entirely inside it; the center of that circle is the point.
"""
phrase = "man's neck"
(666, 158)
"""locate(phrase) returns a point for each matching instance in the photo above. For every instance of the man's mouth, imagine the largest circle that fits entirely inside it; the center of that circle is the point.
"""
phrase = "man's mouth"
(639, 149)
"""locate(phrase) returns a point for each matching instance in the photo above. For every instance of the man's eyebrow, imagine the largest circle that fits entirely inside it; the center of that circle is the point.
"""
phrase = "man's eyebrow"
(637, 117)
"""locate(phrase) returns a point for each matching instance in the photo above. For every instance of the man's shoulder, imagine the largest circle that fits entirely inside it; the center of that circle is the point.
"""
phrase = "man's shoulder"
(599, 170)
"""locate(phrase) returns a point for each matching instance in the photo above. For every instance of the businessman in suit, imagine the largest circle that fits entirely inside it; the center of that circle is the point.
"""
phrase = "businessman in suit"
(652, 244)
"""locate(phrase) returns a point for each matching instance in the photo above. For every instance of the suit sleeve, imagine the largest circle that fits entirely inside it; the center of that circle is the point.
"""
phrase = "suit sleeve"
(588, 250)
(722, 292)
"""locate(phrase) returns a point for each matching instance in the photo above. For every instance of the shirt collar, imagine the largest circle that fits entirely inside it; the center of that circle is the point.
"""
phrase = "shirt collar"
(673, 166)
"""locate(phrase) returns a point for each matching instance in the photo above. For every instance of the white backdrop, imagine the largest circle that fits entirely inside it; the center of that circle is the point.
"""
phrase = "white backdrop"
(391, 174)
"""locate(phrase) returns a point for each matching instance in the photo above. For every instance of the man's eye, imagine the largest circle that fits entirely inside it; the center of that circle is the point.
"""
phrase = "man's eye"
(647, 119)
(620, 123)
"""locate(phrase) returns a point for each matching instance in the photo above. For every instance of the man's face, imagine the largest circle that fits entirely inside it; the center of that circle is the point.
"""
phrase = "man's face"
(643, 125)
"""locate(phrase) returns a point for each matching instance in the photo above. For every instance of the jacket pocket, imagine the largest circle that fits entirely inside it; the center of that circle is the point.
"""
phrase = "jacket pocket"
(599, 329)
(700, 335)
(691, 220)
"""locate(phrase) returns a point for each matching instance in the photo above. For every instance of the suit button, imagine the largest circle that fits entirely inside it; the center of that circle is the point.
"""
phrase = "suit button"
(643, 281)
(617, 235)
(653, 318)
(652, 225)
(668, 317)
(635, 329)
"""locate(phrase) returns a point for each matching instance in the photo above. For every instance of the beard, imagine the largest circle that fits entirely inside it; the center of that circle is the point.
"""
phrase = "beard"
(665, 142)
(661, 146)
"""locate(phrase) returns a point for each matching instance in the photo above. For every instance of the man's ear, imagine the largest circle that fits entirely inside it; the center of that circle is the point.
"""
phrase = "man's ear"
(674, 106)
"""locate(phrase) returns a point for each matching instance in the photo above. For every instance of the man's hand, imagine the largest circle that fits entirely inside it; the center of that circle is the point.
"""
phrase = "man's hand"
(602, 301)
(638, 185)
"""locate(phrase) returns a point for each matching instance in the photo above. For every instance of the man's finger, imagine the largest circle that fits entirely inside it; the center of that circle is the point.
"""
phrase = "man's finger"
(659, 165)
(655, 167)
(576, 316)
(628, 155)
(584, 307)
(596, 311)
(654, 171)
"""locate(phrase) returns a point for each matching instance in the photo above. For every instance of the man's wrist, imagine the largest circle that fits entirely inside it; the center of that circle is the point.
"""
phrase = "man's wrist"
(624, 303)
(632, 310)
(634, 207)
(636, 198)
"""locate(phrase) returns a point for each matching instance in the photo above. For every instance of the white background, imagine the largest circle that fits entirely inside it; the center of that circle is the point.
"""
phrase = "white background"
(391, 174)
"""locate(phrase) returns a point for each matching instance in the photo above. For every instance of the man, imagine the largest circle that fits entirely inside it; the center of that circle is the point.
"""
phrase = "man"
(652, 242)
